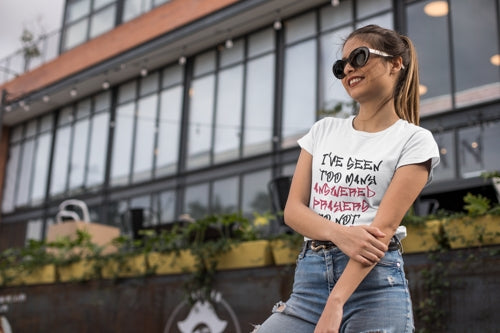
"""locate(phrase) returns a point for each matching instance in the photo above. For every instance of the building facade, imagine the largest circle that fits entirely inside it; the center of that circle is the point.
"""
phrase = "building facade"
(193, 106)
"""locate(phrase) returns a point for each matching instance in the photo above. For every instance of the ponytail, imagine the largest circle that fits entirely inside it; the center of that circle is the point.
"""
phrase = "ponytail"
(406, 91)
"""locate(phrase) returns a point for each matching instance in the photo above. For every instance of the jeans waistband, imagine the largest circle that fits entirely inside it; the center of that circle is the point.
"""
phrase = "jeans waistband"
(317, 245)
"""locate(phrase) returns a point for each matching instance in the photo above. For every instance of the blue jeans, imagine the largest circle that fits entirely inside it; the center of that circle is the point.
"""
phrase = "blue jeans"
(381, 303)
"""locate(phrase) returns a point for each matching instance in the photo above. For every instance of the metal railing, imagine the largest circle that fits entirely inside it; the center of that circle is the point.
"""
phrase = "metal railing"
(19, 63)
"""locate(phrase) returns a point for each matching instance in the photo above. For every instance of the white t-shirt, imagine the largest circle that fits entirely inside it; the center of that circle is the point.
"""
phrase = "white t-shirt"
(351, 169)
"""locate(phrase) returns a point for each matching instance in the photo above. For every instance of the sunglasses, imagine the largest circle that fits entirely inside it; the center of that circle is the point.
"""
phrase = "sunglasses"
(357, 59)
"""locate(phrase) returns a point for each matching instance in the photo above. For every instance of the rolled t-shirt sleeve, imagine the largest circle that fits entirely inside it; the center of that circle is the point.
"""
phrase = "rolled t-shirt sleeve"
(307, 141)
(420, 148)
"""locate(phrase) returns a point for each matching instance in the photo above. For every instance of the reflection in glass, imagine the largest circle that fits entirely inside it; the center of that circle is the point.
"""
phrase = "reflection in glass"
(23, 186)
(259, 105)
(433, 57)
(145, 138)
(122, 145)
(98, 148)
(225, 196)
(228, 122)
(196, 201)
(446, 167)
(41, 173)
(255, 195)
(476, 78)
(200, 122)
(169, 131)
(471, 152)
(78, 154)
(102, 21)
(331, 90)
(166, 206)
(60, 161)
(11, 178)
(299, 94)
(75, 34)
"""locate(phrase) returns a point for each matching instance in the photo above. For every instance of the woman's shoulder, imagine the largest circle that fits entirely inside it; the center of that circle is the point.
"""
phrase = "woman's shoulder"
(332, 123)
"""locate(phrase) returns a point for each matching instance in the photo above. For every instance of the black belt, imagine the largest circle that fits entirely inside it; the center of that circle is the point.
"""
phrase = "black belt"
(317, 245)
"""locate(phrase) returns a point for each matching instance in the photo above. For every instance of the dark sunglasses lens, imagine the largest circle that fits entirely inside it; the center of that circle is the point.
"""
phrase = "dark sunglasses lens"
(359, 57)
(338, 69)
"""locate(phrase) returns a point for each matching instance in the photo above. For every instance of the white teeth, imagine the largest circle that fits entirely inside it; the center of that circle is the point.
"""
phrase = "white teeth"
(355, 80)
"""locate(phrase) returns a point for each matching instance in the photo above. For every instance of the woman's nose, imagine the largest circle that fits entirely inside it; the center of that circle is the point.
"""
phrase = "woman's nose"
(348, 69)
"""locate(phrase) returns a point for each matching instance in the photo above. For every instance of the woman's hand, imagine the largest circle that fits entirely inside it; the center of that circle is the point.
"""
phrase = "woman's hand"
(361, 243)
(330, 319)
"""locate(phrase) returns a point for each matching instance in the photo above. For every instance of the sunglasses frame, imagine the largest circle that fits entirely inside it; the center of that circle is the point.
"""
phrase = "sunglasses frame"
(338, 67)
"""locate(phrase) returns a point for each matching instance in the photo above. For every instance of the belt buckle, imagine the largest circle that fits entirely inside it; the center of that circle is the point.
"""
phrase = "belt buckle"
(317, 248)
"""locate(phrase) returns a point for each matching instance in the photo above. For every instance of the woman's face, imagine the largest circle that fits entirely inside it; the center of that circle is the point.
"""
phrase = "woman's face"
(374, 80)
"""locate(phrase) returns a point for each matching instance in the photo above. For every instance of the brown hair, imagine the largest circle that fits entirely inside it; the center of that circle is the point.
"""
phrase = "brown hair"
(406, 90)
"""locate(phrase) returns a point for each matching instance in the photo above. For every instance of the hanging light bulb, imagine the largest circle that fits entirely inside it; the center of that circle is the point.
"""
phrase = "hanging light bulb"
(144, 71)
(182, 60)
(335, 3)
(73, 92)
(105, 85)
(46, 98)
(277, 24)
(8, 108)
(229, 43)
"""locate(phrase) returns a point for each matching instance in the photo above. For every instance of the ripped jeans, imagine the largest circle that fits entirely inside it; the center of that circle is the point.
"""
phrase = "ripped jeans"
(381, 303)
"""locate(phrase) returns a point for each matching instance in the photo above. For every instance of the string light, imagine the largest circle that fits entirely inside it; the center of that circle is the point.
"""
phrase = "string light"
(277, 25)
(229, 43)
(73, 92)
(335, 3)
(182, 60)
(46, 98)
(105, 85)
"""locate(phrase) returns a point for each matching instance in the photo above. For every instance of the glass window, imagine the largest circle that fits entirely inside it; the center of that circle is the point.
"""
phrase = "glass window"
(232, 55)
(131, 9)
(299, 92)
(60, 161)
(169, 131)
(75, 34)
(259, 105)
(102, 101)
(127, 92)
(172, 75)
(299, 28)
(83, 109)
(149, 84)
(196, 201)
(77, 9)
(261, 42)
(204, 63)
(255, 194)
(101, 3)
(446, 167)
(365, 8)
(11, 178)
(471, 151)
(78, 154)
(228, 116)
(122, 144)
(23, 187)
(491, 138)
(477, 76)
(385, 21)
(97, 149)
(41, 173)
(332, 93)
(166, 210)
(225, 196)
(331, 17)
(433, 56)
(200, 122)
(102, 21)
(145, 138)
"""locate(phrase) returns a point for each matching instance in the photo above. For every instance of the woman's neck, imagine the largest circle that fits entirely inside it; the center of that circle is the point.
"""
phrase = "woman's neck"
(373, 118)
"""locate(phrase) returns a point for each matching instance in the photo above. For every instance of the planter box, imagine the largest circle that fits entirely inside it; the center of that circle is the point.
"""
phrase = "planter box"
(246, 255)
(38, 275)
(473, 231)
(81, 270)
(130, 266)
(284, 253)
(171, 263)
(422, 238)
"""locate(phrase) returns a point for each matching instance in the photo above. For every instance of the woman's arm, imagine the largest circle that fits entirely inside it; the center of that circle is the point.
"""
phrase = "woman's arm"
(359, 243)
(407, 183)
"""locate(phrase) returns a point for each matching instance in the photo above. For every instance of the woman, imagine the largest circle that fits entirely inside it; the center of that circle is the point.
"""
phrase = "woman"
(354, 181)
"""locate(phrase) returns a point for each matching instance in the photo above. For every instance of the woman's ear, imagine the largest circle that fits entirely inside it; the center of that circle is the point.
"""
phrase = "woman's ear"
(397, 64)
